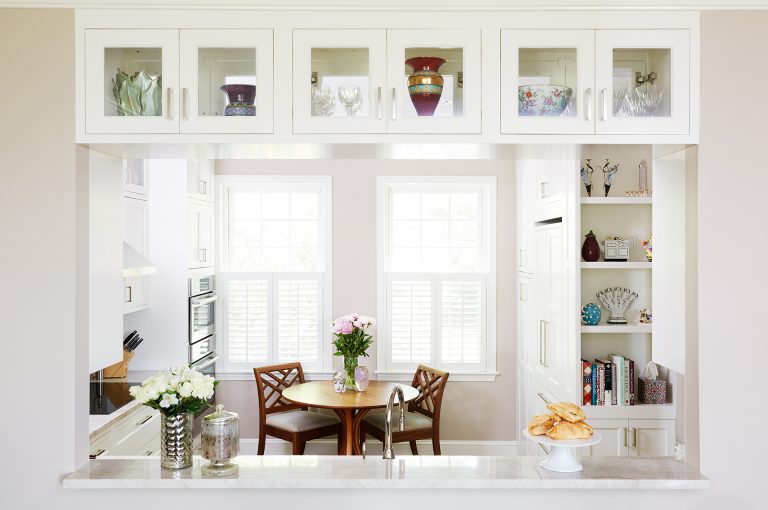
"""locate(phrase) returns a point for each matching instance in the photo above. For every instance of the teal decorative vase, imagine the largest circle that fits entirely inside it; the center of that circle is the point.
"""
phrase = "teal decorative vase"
(590, 314)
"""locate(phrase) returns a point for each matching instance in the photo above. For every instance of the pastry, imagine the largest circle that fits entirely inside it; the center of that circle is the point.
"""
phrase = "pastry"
(567, 411)
(569, 430)
(540, 424)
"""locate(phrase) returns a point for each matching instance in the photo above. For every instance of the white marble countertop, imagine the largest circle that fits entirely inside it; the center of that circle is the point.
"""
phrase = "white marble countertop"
(423, 472)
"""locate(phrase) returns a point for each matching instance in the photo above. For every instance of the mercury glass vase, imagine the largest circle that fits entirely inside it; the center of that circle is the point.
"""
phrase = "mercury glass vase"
(176, 440)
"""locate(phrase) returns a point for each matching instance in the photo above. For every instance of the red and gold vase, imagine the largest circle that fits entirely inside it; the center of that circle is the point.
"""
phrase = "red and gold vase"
(425, 84)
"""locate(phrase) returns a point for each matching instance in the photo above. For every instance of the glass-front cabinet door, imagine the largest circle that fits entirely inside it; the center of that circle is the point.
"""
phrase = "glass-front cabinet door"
(131, 79)
(339, 80)
(226, 81)
(433, 80)
(642, 79)
(546, 81)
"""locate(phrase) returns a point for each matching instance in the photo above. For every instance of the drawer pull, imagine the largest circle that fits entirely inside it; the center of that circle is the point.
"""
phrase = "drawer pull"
(149, 453)
(634, 437)
(542, 397)
(98, 452)
(145, 420)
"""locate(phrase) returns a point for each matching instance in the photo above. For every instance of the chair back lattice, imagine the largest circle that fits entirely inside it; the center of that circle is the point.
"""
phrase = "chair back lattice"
(431, 385)
(271, 381)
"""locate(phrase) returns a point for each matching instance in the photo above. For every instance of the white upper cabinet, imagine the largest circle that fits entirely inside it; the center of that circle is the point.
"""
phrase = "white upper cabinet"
(226, 81)
(200, 179)
(417, 62)
(199, 235)
(131, 81)
(604, 82)
(339, 81)
(643, 81)
(135, 178)
(547, 78)
(357, 81)
(161, 81)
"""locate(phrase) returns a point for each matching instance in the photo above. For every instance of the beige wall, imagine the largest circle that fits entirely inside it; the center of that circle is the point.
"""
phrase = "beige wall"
(471, 411)
(37, 211)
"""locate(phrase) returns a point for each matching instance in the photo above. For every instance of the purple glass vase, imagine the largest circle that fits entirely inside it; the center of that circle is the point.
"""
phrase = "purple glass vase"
(590, 250)
(362, 377)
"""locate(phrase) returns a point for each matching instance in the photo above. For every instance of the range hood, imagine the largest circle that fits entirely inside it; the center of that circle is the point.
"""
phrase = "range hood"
(134, 263)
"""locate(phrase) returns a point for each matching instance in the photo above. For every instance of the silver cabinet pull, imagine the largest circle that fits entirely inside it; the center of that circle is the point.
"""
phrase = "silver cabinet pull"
(394, 103)
(148, 453)
(544, 189)
(130, 294)
(588, 103)
(604, 101)
(544, 342)
(541, 338)
(200, 255)
(634, 437)
(543, 397)
(626, 433)
(522, 258)
(200, 187)
(168, 96)
(523, 292)
(379, 104)
(143, 421)
(98, 452)
(184, 104)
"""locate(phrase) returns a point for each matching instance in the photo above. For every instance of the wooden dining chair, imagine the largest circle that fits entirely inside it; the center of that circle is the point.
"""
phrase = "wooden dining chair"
(282, 418)
(422, 419)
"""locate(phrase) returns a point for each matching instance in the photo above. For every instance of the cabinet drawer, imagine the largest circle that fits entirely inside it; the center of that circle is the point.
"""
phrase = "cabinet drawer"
(136, 441)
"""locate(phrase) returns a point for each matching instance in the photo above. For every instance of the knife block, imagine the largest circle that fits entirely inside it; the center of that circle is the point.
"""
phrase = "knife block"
(119, 369)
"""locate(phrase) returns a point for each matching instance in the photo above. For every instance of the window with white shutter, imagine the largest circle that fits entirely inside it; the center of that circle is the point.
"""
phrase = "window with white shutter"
(274, 279)
(436, 244)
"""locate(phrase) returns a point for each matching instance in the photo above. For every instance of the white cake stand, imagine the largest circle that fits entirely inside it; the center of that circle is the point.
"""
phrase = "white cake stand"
(561, 458)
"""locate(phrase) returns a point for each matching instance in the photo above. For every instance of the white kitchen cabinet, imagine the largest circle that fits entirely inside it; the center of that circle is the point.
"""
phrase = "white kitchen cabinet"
(210, 59)
(199, 235)
(625, 57)
(526, 318)
(634, 438)
(184, 72)
(548, 190)
(135, 178)
(200, 179)
(523, 196)
(137, 433)
(136, 234)
(153, 51)
(547, 57)
(622, 82)
(355, 81)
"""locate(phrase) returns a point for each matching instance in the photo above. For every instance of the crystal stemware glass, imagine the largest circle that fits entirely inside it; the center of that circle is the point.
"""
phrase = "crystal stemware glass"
(323, 102)
(351, 98)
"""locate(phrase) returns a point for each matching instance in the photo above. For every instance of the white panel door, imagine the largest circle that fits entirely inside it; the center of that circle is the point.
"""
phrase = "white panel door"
(205, 235)
(534, 59)
(651, 438)
(526, 320)
(614, 443)
(339, 79)
(625, 58)
(540, 314)
(194, 255)
(111, 106)
(200, 174)
(210, 59)
(459, 107)
(136, 234)
(554, 352)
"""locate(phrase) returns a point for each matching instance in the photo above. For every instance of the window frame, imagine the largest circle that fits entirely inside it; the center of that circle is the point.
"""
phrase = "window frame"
(487, 185)
(322, 183)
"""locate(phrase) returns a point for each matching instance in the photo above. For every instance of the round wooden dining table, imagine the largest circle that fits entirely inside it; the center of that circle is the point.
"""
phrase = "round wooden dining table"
(351, 406)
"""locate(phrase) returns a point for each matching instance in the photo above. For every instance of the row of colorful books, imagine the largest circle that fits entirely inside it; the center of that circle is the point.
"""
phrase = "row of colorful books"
(609, 381)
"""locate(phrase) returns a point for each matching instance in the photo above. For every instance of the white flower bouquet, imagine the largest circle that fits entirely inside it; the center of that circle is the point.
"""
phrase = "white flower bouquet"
(181, 390)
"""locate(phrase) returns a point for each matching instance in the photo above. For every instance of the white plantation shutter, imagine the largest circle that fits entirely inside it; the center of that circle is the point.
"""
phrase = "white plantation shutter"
(247, 320)
(436, 239)
(298, 320)
(461, 321)
(274, 282)
(410, 323)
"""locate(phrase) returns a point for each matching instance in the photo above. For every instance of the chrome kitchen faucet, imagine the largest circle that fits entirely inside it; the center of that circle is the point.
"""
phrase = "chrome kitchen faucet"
(389, 452)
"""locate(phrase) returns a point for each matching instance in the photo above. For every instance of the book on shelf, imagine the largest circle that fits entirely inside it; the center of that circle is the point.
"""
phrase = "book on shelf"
(600, 388)
(594, 384)
(631, 381)
(610, 381)
(586, 372)
(618, 362)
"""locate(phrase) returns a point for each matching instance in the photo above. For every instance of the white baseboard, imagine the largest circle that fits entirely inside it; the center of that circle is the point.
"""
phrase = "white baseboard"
(249, 446)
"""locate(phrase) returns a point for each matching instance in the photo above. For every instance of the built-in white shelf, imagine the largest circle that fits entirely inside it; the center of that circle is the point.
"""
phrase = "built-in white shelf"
(616, 200)
(618, 328)
(637, 412)
(615, 265)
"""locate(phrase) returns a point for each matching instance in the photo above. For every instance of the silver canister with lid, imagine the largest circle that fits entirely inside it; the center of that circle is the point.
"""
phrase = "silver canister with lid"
(220, 442)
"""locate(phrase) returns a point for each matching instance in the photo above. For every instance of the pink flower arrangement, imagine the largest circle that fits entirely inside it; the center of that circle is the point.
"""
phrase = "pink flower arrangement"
(346, 324)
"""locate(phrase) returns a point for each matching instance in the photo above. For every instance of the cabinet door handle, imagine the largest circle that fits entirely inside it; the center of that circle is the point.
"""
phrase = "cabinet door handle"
(522, 258)
(546, 339)
(544, 189)
(200, 255)
(148, 453)
(379, 104)
(541, 339)
(184, 104)
(394, 103)
(143, 421)
(626, 433)
(542, 397)
(523, 292)
(588, 103)
(604, 101)
(98, 452)
(168, 96)
(634, 437)
(130, 294)
(201, 187)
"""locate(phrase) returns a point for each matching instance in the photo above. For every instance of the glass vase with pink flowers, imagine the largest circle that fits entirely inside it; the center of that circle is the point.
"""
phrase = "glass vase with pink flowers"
(352, 341)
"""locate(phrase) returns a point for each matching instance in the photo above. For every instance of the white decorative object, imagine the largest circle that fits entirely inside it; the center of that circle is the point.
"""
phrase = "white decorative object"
(561, 458)
(616, 250)
(616, 300)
